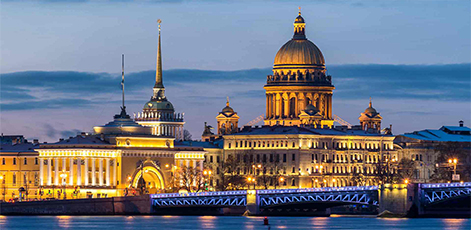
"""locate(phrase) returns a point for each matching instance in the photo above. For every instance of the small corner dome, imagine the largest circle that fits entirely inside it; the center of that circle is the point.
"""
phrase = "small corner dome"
(228, 111)
(299, 19)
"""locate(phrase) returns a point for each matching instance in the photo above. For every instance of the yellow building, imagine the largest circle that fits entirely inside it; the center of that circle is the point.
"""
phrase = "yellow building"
(298, 146)
(19, 168)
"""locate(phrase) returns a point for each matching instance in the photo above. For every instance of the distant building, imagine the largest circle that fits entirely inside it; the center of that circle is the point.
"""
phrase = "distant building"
(11, 139)
(19, 168)
(420, 146)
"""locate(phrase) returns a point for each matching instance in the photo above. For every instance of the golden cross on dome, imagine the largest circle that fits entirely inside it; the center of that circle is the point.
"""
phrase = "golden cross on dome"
(299, 10)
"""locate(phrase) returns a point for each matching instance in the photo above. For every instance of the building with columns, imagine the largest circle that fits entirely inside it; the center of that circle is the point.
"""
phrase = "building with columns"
(298, 83)
(121, 154)
(298, 145)
(159, 112)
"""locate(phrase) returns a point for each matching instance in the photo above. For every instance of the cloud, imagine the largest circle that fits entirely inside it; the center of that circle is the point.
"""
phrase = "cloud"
(66, 89)
(52, 132)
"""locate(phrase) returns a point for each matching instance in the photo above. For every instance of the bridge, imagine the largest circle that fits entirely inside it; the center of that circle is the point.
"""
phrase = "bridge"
(427, 199)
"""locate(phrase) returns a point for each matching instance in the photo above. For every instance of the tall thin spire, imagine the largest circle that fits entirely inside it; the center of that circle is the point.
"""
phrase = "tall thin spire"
(371, 104)
(227, 102)
(158, 72)
(122, 76)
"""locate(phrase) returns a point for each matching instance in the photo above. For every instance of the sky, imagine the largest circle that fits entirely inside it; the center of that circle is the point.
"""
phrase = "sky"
(60, 61)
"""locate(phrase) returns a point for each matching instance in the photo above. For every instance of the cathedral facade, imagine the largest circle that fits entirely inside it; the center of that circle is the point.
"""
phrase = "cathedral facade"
(298, 145)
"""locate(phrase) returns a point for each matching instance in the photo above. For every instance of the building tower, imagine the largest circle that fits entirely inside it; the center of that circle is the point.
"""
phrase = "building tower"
(159, 112)
(299, 79)
(370, 120)
(228, 120)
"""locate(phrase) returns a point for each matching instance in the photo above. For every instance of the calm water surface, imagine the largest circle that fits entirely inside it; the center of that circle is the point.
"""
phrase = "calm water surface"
(223, 222)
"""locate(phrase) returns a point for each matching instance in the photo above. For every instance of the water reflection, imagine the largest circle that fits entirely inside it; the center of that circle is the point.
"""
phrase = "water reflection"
(453, 224)
(207, 222)
(63, 221)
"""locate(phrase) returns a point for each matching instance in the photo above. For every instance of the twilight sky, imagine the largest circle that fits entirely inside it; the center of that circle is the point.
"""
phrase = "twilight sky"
(60, 60)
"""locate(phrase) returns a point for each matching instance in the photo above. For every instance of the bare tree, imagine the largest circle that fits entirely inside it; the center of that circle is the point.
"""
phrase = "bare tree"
(190, 179)
(358, 179)
(187, 135)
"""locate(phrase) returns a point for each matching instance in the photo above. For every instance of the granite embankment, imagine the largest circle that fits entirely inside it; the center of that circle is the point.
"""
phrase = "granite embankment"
(99, 206)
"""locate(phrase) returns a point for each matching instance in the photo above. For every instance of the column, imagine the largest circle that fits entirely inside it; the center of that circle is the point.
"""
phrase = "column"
(115, 164)
(49, 171)
(56, 171)
(93, 172)
(79, 171)
(286, 107)
(64, 165)
(268, 105)
(182, 132)
(71, 172)
(273, 105)
(41, 171)
(296, 108)
(100, 172)
(86, 173)
(201, 165)
(277, 106)
(187, 163)
(108, 172)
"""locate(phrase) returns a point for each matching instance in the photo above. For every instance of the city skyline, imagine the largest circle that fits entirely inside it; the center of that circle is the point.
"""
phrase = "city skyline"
(35, 102)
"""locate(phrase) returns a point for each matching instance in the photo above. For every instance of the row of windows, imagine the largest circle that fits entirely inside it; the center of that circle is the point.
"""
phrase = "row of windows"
(25, 161)
(321, 145)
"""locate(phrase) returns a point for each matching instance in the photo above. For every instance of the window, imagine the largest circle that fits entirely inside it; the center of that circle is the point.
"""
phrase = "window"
(3, 161)
(294, 145)
(217, 159)
(293, 157)
(36, 161)
(420, 157)
(229, 145)
(293, 170)
(237, 144)
(293, 182)
(14, 177)
(271, 157)
(264, 158)
(217, 170)
(284, 157)
(26, 161)
(14, 161)
(211, 159)
(258, 158)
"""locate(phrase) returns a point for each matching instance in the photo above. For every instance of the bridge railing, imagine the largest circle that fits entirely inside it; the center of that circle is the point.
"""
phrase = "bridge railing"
(198, 194)
(326, 189)
(447, 185)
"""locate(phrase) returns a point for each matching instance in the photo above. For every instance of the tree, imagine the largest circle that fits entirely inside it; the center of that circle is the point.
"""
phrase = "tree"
(405, 170)
(358, 179)
(191, 179)
(187, 135)
(230, 173)
(451, 150)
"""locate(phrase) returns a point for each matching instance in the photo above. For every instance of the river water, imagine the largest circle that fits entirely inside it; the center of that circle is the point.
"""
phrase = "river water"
(224, 222)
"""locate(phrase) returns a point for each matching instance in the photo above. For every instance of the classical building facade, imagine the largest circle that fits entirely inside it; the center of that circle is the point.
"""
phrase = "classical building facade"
(298, 146)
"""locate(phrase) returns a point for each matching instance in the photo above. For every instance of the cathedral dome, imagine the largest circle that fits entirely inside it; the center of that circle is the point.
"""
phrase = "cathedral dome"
(370, 111)
(299, 52)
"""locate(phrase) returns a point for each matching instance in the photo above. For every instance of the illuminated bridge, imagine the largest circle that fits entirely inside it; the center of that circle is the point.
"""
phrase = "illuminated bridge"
(401, 198)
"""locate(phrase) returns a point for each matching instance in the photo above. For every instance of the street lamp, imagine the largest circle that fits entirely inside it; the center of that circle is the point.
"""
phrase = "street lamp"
(454, 162)
(63, 175)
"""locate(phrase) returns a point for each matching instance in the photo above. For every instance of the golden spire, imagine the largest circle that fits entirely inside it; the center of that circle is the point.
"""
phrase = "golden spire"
(299, 11)
(227, 102)
(158, 72)
(370, 103)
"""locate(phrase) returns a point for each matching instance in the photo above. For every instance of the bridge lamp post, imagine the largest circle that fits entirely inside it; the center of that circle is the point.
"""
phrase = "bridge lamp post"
(281, 180)
(453, 162)
(333, 181)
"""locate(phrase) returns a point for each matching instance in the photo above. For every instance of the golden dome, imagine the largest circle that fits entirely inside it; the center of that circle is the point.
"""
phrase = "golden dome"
(299, 52)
